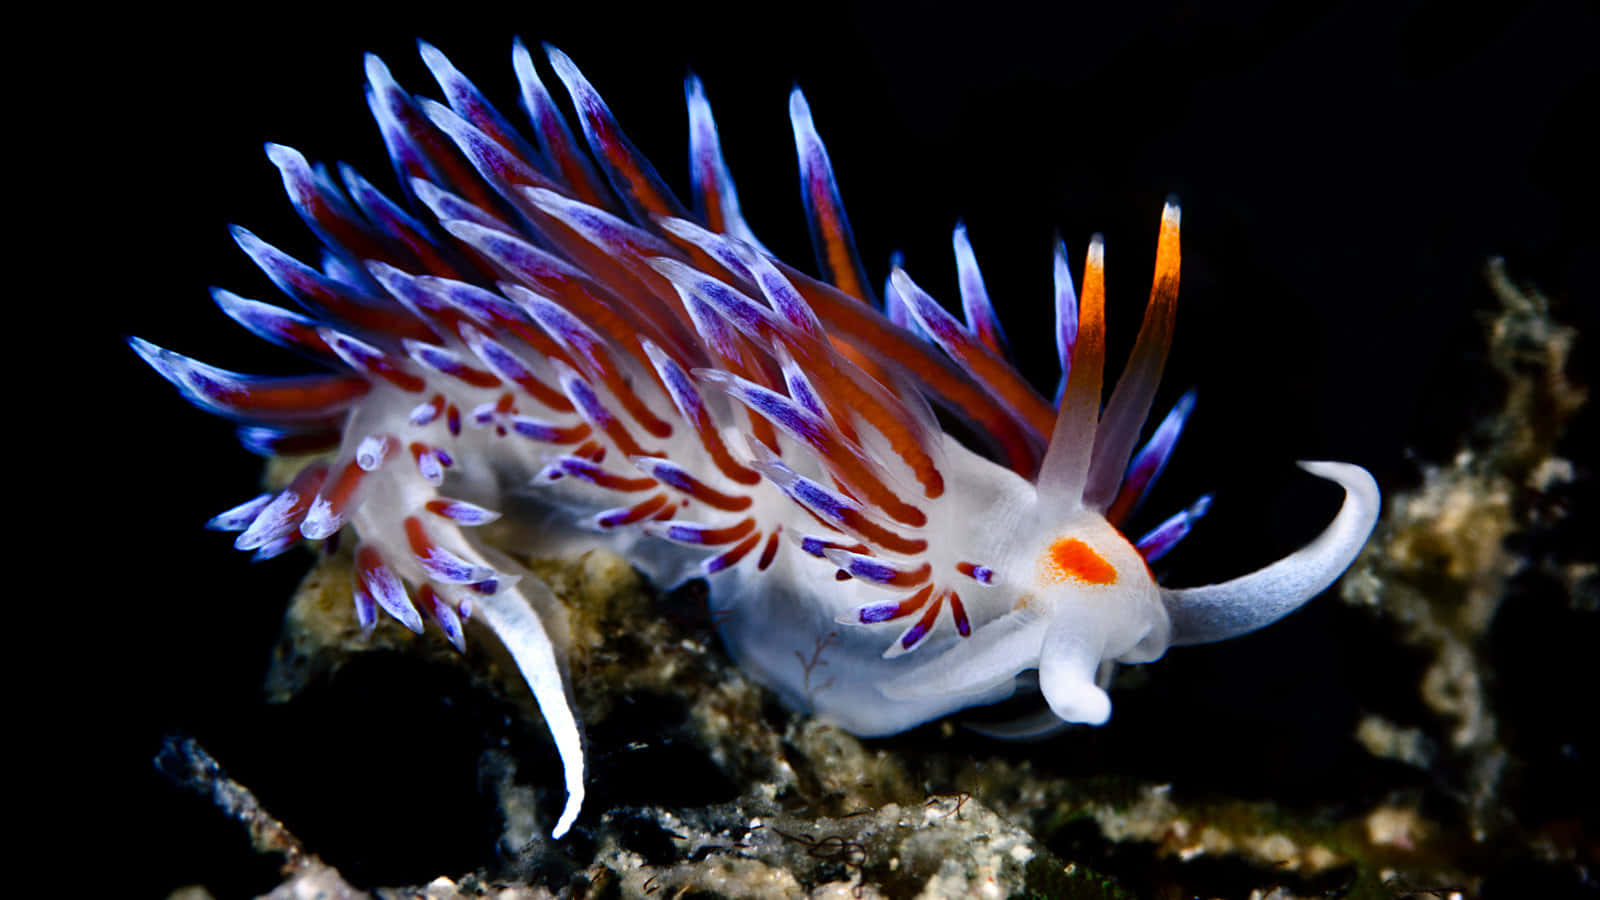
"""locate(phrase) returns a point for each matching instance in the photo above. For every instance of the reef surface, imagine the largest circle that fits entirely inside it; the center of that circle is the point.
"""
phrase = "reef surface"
(1443, 770)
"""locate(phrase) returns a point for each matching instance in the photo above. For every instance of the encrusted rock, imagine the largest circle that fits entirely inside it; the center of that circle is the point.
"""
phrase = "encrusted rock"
(705, 787)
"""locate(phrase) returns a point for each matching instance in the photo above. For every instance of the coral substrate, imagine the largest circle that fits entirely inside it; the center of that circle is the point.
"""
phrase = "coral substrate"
(1449, 775)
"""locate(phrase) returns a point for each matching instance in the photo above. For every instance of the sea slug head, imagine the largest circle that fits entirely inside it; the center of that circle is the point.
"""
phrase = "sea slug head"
(1078, 595)
(1069, 597)
(1097, 602)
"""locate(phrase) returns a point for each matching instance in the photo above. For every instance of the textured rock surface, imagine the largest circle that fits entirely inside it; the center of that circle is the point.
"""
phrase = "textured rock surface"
(1450, 775)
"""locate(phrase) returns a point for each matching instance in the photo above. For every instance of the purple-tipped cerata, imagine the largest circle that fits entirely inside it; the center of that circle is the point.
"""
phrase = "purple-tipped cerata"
(518, 325)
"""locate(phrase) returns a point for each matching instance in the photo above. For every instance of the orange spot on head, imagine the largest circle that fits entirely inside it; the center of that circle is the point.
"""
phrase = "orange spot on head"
(1072, 558)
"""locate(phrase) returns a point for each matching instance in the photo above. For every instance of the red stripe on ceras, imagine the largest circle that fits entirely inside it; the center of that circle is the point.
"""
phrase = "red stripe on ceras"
(985, 366)
(841, 393)
(440, 506)
(295, 443)
(741, 358)
(731, 557)
(544, 393)
(570, 434)
(308, 199)
(615, 482)
(422, 545)
(652, 312)
(338, 491)
(924, 625)
(909, 578)
(851, 468)
(598, 363)
(728, 534)
(844, 459)
(613, 429)
(438, 150)
(632, 514)
(545, 346)
(707, 176)
(556, 141)
(693, 487)
(769, 552)
(583, 288)
(691, 407)
(299, 396)
(910, 605)
(345, 306)
(375, 362)
(978, 573)
(615, 151)
(633, 404)
(1020, 433)
(876, 534)
(829, 219)
(959, 611)
(426, 252)
(573, 172)
(473, 376)
(871, 531)
(305, 487)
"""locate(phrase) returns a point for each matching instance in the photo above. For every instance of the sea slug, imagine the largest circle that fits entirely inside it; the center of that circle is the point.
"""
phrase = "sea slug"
(528, 325)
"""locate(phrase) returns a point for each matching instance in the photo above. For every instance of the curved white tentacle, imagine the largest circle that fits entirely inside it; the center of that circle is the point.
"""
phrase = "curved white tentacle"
(514, 622)
(1216, 612)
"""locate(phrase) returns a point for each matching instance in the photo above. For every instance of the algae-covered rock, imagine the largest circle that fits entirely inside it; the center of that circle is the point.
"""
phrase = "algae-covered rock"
(703, 785)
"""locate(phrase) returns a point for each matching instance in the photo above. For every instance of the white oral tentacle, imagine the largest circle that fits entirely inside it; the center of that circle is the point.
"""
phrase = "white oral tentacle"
(1074, 645)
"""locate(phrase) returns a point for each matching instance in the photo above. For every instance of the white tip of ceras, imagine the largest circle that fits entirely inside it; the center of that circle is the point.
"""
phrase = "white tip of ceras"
(438, 64)
(521, 59)
(1097, 250)
(800, 113)
(1171, 212)
(239, 517)
(694, 93)
(320, 522)
(373, 450)
(286, 158)
(446, 119)
(377, 72)
(568, 72)
(158, 358)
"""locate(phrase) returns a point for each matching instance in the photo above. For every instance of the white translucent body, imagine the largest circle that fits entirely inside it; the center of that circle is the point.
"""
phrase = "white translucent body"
(783, 624)
(1062, 591)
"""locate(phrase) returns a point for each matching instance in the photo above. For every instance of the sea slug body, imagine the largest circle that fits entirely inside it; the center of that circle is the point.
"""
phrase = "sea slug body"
(526, 319)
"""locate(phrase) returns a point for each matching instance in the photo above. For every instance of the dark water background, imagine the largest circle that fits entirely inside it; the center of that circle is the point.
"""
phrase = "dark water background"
(1345, 170)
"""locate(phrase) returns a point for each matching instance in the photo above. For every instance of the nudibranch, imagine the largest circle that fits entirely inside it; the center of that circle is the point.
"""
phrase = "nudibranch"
(527, 325)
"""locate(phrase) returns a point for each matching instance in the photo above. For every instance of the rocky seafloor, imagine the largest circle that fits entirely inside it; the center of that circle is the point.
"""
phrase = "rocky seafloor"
(1459, 760)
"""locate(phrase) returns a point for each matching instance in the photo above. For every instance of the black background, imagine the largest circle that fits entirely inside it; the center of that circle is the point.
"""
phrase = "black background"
(1345, 170)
